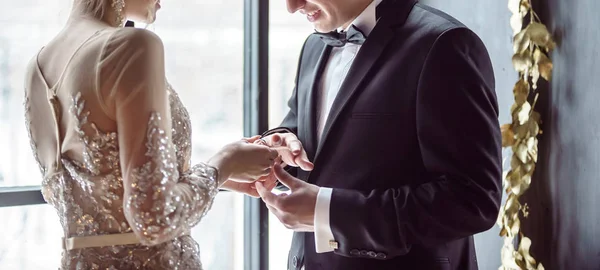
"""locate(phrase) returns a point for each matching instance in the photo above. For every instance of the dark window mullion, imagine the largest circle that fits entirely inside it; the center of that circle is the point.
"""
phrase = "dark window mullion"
(18, 196)
(256, 89)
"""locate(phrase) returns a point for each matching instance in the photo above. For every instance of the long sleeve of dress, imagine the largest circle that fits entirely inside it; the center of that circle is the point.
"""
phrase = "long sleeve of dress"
(160, 203)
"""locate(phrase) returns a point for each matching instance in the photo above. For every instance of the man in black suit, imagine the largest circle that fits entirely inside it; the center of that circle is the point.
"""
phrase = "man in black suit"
(399, 115)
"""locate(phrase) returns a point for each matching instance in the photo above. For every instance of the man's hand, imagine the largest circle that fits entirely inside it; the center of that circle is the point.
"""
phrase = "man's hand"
(290, 149)
(296, 211)
(269, 182)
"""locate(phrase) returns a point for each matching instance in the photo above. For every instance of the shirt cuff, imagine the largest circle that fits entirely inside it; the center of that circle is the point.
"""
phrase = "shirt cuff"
(323, 233)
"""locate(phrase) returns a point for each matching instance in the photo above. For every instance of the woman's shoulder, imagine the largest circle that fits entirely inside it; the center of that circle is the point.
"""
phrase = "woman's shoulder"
(135, 37)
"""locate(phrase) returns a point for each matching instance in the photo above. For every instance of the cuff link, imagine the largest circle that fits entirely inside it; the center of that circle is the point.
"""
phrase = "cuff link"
(333, 244)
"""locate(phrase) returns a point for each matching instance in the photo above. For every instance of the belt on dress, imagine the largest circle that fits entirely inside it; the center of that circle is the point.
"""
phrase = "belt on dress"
(117, 239)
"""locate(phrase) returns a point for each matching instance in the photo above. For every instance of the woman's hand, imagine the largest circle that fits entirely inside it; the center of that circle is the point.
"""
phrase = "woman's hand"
(243, 161)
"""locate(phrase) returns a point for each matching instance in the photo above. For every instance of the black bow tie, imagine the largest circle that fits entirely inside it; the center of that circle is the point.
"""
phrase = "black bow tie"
(339, 39)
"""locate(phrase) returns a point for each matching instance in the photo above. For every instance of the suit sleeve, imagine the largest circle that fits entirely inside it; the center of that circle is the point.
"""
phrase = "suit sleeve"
(460, 143)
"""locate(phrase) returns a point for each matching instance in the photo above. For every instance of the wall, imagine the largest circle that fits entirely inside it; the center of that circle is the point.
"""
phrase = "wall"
(564, 220)
(565, 216)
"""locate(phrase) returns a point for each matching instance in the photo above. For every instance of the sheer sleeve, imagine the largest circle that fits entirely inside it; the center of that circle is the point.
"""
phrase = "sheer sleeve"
(159, 202)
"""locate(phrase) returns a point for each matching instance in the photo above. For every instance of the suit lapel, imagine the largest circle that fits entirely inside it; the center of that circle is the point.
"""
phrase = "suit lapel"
(369, 53)
(311, 119)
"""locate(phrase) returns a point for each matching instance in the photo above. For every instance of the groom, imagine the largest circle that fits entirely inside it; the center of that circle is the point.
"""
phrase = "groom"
(399, 115)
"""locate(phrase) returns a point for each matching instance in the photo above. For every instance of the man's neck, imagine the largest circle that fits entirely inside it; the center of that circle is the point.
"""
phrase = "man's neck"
(358, 12)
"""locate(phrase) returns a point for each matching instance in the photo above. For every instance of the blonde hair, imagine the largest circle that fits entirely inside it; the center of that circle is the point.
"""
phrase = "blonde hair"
(97, 8)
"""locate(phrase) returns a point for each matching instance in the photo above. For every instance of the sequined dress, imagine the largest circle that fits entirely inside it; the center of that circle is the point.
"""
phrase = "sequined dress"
(112, 140)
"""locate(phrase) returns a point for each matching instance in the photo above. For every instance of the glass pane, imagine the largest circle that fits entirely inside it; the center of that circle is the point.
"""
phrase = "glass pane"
(204, 58)
(204, 55)
(36, 231)
(25, 27)
(286, 37)
(204, 63)
(26, 231)
(287, 34)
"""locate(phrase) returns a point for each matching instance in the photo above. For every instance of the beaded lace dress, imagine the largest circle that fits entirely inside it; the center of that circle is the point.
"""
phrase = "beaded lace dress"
(112, 140)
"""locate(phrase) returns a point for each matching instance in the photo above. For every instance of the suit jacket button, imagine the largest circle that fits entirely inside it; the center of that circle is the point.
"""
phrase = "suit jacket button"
(381, 256)
(372, 254)
(295, 261)
(354, 252)
(364, 253)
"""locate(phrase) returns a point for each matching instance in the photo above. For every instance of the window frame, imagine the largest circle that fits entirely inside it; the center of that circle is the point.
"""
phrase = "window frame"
(256, 118)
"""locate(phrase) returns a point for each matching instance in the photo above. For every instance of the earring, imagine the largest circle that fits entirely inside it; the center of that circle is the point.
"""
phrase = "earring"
(118, 6)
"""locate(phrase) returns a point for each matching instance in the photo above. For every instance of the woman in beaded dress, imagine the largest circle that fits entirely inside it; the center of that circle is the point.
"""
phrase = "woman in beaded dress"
(112, 140)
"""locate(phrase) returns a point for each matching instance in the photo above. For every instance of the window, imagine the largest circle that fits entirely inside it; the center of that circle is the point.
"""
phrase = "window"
(26, 231)
(35, 230)
(287, 34)
(26, 26)
(204, 61)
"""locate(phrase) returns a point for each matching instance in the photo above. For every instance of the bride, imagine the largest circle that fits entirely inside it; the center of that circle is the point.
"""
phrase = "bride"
(112, 140)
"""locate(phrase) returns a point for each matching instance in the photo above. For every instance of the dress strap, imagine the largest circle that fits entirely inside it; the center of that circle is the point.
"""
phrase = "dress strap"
(54, 87)
(51, 93)
(56, 113)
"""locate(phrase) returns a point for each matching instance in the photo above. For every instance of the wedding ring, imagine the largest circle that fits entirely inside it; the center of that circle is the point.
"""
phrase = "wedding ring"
(263, 142)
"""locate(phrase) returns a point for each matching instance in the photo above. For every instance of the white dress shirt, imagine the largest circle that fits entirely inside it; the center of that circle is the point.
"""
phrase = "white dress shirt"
(336, 69)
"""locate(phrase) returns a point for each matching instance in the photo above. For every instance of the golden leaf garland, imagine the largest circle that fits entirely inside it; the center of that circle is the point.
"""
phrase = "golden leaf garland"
(531, 42)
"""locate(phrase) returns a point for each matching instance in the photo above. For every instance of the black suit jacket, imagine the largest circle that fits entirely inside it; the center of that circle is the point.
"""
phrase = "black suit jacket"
(411, 147)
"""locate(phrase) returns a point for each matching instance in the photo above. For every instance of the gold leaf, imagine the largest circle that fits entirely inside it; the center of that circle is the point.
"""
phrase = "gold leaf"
(512, 206)
(515, 163)
(523, 186)
(508, 259)
(521, 92)
(515, 228)
(524, 7)
(503, 232)
(516, 22)
(504, 182)
(535, 76)
(529, 167)
(525, 210)
(522, 62)
(533, 127)
(508, 137)
(531, 62)
(514, 6)
(522, 131)
(544, 64)
(536, 117)
(523, 114)
(521, 41)
(521, 152)
(539, 35)
(515, 185)
(532, 145)
(524, 247)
